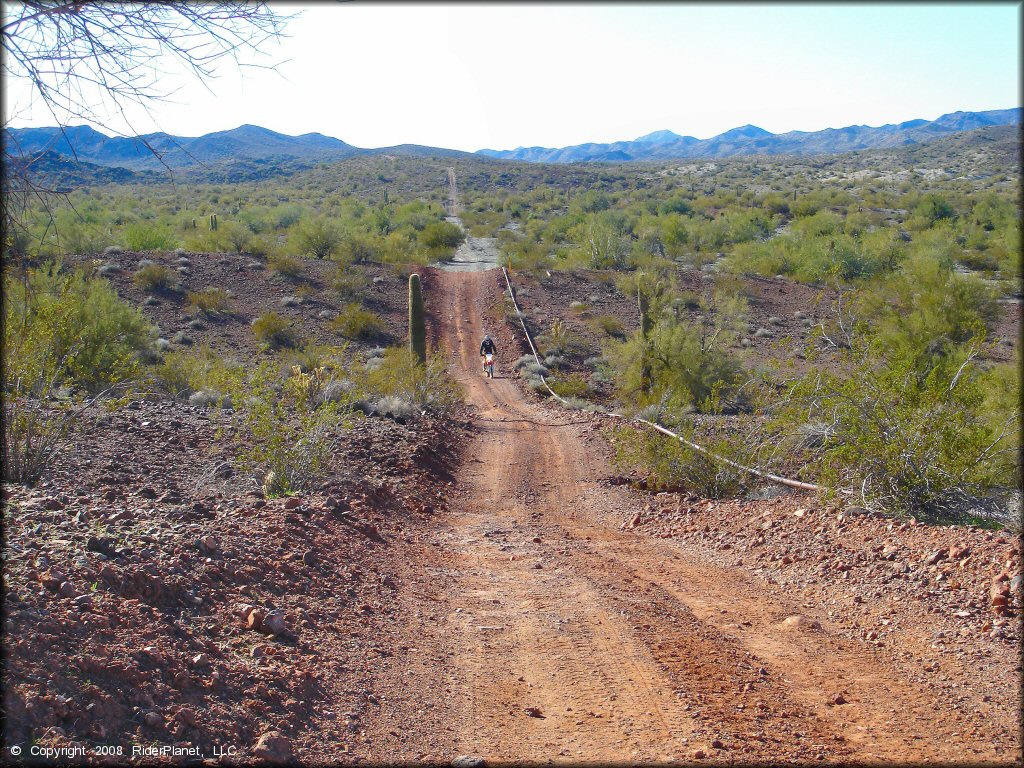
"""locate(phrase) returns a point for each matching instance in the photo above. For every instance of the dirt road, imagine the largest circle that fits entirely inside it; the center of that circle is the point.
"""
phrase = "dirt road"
(540, 630)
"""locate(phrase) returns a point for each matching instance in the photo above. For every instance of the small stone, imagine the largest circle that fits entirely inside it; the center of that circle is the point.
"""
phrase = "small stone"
(801, 622)
(255, 619)
(83, 602)
(309, 557)
(958, 552)
(838, 699)
(273, 747)
(534, 712)
(187, 716)
(699, 754)
(67, 589)
(152, 719)
(274, 622)
(50, 582)
(936, 556)
(293, 502)
(717, 744)
(468, 761)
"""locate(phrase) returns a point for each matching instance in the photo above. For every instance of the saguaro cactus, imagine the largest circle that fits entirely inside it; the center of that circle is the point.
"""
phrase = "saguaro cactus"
(643, 303)
(417, 324)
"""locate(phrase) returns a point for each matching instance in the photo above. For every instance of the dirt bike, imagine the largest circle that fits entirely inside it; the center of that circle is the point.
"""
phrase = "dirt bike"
(489, 365)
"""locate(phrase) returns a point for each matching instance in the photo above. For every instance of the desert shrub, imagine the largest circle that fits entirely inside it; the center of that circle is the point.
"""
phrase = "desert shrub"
(205, 398)
(65, 326)
(665, 462)
(63, 334)
(610, 326)
(183, 373)
(906, 439)
(78, 237)
(555, 361)
(358, 248)
(311, 356)
(927, 308)
(442, 235)
(349, 284)
(681, 363)
(155, 277)
(561, 342)
(354, 322)
(573, 385)
(319, 237)
(288, 428)
(236, 236)
(427, 387)
(149, 237)
(210, 301)
(284, 264)
(600, 243)
(274, 331)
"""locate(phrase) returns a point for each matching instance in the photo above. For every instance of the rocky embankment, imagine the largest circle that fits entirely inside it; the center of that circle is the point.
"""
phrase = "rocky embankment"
(154, 598)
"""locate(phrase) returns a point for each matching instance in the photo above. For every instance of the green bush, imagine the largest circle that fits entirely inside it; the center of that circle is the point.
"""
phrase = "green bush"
(275, 332)
(681, 364)
(184, 372)
(905, 439)
(63, 326)
(148, 237)
(319, 237)
(210, 301)
(573, 385)
(155, 277)
(666, 463)
(610, 326)
(62, 333)
(288, 429)
(425, 387)
(441, 235)
(286, 265)
(354, 322)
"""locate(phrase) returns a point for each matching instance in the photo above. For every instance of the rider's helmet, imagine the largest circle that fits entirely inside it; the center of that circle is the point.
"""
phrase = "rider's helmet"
(487, 337)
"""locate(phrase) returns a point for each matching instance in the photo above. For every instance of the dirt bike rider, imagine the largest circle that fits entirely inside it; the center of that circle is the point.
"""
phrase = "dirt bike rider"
(487, 348)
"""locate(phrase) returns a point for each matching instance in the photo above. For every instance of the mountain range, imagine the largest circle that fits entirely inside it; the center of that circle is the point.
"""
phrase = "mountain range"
(252, 152)
(162, 151)
(751, 140)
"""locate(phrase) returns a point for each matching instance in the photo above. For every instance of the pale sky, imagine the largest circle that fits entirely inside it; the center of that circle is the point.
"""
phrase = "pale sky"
(502, 76)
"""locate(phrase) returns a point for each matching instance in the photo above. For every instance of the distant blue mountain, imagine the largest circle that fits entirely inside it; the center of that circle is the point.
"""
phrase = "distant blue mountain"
(254, 152)
(751, 140)
(159, 151)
